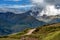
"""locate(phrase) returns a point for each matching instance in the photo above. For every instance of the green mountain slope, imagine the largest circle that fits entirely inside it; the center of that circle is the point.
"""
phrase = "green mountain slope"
(41, 33)
(45, 32)
(53, 36)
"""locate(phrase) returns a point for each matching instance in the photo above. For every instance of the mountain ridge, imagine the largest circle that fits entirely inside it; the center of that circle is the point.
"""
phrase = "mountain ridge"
(11, 23)
(45, 32)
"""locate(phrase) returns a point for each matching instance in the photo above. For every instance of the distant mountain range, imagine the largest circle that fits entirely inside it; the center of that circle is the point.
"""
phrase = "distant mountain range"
(45, 32)
(11, 22)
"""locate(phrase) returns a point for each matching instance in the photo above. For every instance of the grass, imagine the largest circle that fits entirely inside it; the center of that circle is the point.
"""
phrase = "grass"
(45, 32)
(8, 39)
(53, 36)
(15, 36)
(42, 32)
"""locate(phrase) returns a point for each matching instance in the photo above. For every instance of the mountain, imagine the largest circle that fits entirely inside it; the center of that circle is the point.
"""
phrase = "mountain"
(49, 14)
(49, 19)
(12, 23)
(45, 32)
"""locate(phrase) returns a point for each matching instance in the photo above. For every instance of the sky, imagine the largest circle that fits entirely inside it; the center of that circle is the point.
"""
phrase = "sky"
(50, 7)
(27, 4)
(15, 3)
(16, 6)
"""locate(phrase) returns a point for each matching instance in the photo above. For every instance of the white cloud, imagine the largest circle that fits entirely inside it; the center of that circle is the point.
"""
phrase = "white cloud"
(21, 6)
(50, 10)
(48, 6)
(12, 0)
(54, 2)
(16, 6)
(37, 1)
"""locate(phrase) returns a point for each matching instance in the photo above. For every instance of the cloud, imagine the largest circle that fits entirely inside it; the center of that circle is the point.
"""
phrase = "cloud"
(37, 1)
(53, 1)
(17, 9)
(46, 2)
(12, 0)
(50, 7)
(56, 3)
(50, 10)
(16, 6)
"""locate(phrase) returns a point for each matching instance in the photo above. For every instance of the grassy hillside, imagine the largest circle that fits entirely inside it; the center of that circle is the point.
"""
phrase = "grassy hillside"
(53, 36)
(15, 36)
(45, 32)
(41, 33)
